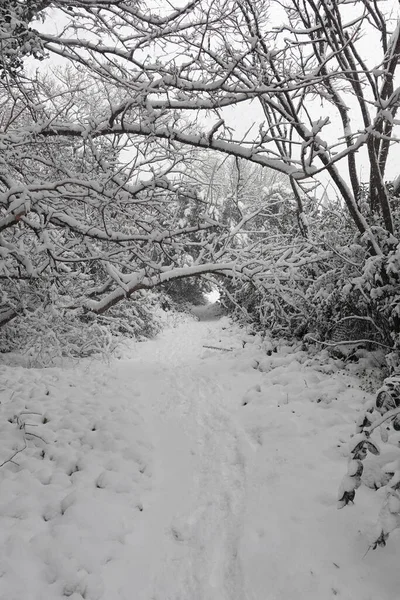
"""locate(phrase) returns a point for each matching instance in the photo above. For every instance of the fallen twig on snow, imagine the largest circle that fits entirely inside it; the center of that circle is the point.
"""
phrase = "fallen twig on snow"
(21, 424)
(10, 459)
(218, 348)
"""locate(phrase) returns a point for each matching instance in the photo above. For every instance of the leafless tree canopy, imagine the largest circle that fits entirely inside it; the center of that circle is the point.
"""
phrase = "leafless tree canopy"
(95, 149)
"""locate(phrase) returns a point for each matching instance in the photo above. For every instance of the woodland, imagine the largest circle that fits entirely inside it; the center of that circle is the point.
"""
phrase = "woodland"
(153, 152)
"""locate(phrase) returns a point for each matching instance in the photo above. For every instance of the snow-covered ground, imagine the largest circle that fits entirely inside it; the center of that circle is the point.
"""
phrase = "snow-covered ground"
(194, 467)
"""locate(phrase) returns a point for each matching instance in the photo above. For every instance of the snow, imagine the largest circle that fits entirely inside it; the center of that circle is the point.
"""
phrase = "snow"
(192, 467)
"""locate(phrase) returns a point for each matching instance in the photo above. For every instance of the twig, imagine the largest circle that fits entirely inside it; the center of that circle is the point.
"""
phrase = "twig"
(346, 342)
(217, 348)
(36, 436)
(13, 456)
(368, 549)
(389, 415)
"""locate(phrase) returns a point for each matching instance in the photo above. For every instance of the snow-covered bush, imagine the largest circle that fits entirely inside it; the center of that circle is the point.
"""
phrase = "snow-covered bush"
(379, 282)
(329, 287)
(383, 415)
(48, 333)
(46, 329)
(134, 318)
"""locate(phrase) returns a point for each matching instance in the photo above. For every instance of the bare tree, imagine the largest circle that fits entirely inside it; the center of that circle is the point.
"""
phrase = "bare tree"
(210, 55)
(160, 81)
(76, 218)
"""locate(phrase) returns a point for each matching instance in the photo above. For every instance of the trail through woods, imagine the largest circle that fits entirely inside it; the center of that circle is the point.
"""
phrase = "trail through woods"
(181, 472)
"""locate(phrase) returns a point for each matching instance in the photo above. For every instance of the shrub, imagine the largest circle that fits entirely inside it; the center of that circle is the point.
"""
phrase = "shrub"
(382, 416)
(47, 331)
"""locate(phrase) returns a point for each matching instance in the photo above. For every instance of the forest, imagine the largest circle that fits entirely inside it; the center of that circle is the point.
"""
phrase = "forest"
(172, 149)
(151, 152)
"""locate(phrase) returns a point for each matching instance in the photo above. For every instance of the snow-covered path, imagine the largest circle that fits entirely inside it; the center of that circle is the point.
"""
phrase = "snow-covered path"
(181, 472)
(193, 518)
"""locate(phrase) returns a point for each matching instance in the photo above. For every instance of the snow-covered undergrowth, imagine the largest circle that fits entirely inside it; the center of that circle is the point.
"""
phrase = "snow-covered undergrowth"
(194, 467)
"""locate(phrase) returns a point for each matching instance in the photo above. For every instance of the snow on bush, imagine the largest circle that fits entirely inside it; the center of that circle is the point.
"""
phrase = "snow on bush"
(50, 331)
(48, 334)
(384, 416)
(329, 289)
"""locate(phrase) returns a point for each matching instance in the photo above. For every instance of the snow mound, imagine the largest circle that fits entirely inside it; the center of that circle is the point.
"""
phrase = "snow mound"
(74, 489)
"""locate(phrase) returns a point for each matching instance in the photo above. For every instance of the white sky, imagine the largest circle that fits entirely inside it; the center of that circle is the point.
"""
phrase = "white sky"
(242, 117)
